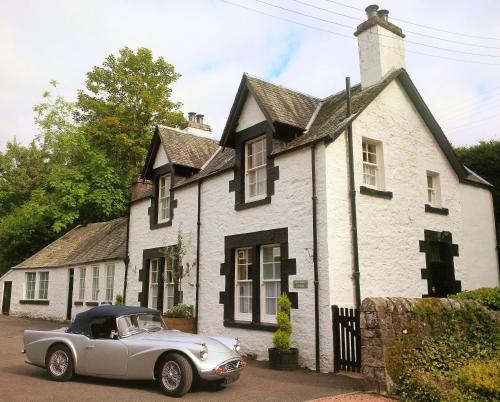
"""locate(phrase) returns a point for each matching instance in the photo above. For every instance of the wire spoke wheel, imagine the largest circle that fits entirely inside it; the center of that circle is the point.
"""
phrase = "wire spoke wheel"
(59, 363)
(171, 375)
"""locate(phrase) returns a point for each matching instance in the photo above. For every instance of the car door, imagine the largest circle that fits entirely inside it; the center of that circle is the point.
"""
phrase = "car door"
(105, 357)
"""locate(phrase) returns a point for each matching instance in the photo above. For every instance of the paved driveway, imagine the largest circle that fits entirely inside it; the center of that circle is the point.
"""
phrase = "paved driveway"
(22, 382)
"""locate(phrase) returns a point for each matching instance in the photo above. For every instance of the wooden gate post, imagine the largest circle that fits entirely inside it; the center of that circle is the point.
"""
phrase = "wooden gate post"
(336, 338)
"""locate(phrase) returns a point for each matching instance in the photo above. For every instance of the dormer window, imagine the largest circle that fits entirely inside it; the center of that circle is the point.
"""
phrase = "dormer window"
(255, 169)
(164, 199)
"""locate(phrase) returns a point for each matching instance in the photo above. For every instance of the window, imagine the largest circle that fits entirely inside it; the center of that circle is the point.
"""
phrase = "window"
(30, 285)
(243, 308)
(255, 169)
(43, 285)
(95, 282)
(110, 278)
(433, 189)
(164, 199)
(81, 290)
(169, 284)
(370, 166)
(271, 282)
(153, 282)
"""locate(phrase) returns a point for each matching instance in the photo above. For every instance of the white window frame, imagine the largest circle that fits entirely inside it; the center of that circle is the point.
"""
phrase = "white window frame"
(264, 316)
(433, 184)
(95, 282)
(169, 285)
(154, 272)
(30, 292)
(260, 168)
(43, 285)
(82, 273)
(164, 183)
(110, 279)
(239, 316)
(377, 166)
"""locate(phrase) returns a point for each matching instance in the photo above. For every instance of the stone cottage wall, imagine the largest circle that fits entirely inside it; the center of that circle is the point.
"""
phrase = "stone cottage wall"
(384, 321)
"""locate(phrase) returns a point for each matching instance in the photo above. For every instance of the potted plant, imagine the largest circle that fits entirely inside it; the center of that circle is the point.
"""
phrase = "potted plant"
(180, 317)
(283, 356)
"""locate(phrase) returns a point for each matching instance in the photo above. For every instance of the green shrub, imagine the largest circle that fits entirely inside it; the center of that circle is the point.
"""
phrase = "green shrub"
(433, 367)
(281, 338)
(119, 299)
(180, 311)
(489, 297)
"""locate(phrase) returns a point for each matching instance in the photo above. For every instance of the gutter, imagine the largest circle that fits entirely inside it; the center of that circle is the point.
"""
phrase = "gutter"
(352, 197)
(315, 257)
(198, 236)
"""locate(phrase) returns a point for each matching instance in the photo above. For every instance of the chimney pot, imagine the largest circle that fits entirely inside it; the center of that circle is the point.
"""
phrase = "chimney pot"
(384, 14)
(192, 116)
(199, 118)
(371, 11)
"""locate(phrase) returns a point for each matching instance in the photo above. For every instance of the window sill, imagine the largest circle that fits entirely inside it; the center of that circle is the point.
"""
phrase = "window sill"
(92, 303)
(251, 204)
(161, 225)
(250, 325)
(436, 210)
(375, 193)
(30, 301)
(78, 303)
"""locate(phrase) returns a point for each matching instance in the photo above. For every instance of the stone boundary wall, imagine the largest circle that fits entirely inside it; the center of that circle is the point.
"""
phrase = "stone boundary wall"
(384, 321)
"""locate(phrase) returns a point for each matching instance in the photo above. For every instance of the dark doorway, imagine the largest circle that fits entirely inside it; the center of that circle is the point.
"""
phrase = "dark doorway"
(7, 291)
(440, 270)
(70, 294)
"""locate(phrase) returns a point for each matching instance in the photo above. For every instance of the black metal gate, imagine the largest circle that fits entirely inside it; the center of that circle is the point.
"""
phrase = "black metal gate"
(346, 339)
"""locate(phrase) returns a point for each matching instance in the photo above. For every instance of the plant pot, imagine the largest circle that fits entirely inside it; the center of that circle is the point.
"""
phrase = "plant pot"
(280, 360)
(181, 324)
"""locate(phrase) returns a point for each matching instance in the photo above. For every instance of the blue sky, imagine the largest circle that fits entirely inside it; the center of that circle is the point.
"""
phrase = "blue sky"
(211, 43)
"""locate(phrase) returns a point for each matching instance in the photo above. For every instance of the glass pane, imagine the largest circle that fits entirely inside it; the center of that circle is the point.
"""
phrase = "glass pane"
(267, 254)
(268, 271)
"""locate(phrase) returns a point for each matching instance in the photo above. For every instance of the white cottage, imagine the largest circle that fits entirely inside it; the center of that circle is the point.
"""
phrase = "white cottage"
(82, 269)
(328, 200)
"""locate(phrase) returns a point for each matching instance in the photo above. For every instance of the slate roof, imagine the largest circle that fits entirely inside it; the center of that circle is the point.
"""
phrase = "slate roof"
(186, 149)
(83, 244)
(283, 105)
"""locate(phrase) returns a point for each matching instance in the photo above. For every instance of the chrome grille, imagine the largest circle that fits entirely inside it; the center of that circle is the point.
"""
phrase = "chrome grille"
(231, 366)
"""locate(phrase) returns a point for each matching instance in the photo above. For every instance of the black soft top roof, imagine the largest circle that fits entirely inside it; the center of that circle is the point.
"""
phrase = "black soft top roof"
(82, 322)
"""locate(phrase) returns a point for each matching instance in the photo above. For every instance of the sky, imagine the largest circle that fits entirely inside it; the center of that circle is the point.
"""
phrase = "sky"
(212, 43)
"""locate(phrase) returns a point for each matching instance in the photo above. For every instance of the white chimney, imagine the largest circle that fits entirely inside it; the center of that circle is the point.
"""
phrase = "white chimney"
(380, 45)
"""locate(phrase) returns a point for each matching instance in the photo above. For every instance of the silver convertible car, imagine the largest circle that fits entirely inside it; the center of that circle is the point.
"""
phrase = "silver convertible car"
(133, 343)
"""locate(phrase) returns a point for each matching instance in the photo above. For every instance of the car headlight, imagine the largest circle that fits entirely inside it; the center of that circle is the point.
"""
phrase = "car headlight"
(204, 352)
(237, 345)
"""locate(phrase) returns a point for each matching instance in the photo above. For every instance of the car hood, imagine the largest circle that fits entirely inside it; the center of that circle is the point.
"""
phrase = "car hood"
(214, 344)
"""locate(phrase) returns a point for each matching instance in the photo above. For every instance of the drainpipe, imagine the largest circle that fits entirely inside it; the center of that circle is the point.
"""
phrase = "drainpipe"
(315, 256)
(352, 196)
(127, 259)
(198, 225)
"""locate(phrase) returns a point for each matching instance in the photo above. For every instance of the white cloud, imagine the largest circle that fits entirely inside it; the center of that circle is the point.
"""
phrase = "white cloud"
(212, 43)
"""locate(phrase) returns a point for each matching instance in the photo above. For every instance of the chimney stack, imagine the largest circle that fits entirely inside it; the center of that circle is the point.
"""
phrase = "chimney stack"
(192, 116)
(199, 118)
(196, 126)
(380, 46)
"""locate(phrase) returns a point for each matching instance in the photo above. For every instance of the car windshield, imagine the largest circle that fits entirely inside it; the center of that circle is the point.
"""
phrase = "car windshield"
(134, 323)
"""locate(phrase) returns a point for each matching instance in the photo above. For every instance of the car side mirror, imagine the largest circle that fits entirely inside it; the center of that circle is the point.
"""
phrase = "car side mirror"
(114, 334)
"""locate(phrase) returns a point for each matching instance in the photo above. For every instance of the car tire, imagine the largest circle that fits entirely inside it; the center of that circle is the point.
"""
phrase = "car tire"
(175, 375)
(59, 363)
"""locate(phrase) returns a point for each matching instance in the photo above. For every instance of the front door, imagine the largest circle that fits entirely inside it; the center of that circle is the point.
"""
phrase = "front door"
(70, 294)
(442, 276)
(7, 290)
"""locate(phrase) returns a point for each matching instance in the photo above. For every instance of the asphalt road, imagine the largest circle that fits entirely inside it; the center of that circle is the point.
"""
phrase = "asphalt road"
(22, 382)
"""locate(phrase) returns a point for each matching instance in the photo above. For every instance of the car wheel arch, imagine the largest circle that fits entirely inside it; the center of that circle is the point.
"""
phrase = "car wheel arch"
(60, 342)
(171, 351)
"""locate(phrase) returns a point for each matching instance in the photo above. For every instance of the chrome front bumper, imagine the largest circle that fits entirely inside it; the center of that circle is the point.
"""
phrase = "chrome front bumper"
(229, 368)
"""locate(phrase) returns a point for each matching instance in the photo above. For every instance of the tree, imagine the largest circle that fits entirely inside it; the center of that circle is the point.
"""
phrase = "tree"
(125, 99)
(484, 159)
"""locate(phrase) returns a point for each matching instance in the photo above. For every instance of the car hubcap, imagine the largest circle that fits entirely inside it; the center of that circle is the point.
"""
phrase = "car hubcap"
(171, 375)
(58, 363)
